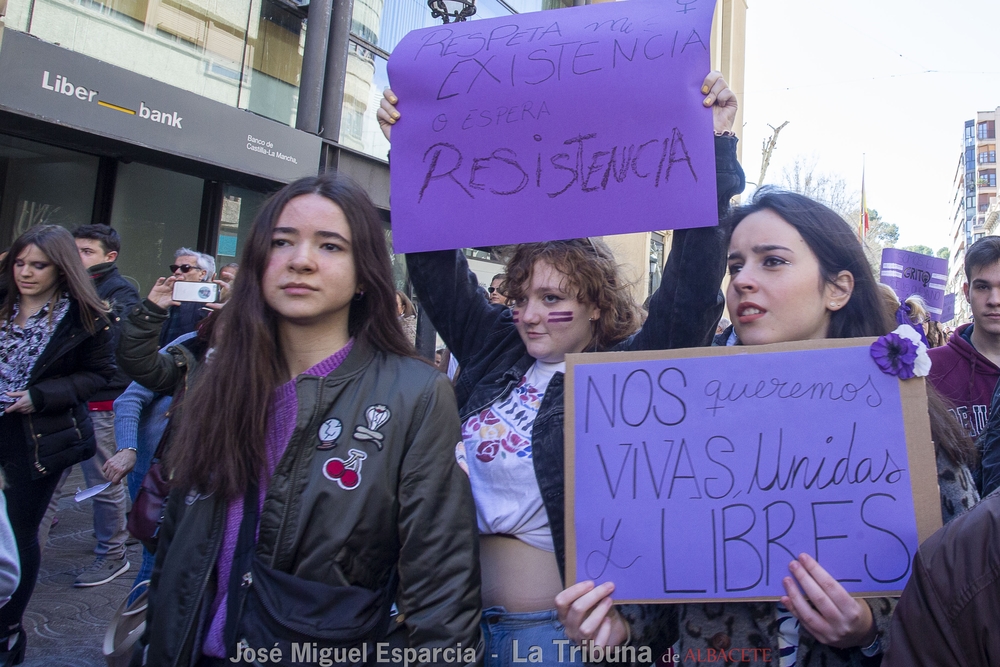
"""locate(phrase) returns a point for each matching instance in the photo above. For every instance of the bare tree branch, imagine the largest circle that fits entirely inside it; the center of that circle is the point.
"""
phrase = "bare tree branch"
(767, 148)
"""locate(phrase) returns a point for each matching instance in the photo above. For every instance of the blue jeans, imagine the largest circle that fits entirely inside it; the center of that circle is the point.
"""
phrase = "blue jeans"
(521, 637)
(145, 572)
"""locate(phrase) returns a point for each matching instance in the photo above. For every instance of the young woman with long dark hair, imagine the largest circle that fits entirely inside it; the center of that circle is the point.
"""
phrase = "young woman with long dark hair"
(313, 449)
(798, 272)
(56, 351)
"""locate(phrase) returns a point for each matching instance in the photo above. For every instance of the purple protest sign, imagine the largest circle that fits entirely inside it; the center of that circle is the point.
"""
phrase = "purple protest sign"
(700, 474)
(557, 124)
(909, 273)
(948, 310)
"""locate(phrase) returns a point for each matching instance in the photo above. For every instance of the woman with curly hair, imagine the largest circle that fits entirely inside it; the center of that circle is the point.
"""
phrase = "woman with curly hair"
(565, 297)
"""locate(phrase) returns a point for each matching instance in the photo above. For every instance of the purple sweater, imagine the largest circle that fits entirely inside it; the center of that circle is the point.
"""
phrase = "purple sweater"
(280, 425)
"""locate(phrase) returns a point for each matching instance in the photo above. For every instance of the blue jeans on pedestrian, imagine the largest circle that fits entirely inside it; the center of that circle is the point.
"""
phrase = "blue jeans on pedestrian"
(512, 637)
(145, 572)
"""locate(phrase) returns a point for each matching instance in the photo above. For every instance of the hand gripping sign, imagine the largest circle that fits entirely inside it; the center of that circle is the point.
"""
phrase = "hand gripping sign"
(552, 125)
(699, 474)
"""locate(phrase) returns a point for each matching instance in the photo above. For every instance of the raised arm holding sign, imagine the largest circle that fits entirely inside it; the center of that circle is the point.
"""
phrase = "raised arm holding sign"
(799, 470)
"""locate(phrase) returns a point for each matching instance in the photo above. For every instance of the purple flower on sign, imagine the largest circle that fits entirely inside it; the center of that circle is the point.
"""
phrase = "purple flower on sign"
(895, 355)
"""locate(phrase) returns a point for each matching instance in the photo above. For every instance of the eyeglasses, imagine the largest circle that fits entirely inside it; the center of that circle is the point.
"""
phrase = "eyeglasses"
(183, 267)
(492, 289)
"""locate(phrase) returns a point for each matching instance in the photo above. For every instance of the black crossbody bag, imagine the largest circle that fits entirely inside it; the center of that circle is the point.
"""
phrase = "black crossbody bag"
(306, 621)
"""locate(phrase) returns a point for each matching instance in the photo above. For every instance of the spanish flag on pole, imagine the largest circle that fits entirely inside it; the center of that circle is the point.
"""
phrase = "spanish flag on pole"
(863, 222)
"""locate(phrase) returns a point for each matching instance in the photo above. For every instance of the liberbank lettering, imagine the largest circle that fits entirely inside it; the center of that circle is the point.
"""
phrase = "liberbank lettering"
(61, 84)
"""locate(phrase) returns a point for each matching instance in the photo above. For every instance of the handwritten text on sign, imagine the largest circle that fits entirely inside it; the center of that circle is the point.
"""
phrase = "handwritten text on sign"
(702, 477)
(553, 125)
(909, 273)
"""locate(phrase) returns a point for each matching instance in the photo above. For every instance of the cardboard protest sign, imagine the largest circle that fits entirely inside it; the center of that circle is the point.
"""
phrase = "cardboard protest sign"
(553, 125)
(700, 474)
(909, 273)
(948, 311)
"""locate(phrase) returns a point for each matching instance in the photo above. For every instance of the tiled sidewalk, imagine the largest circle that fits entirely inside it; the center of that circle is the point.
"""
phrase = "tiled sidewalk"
(66, 625)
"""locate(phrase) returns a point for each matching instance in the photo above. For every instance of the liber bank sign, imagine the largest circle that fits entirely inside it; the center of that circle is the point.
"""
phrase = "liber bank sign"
(57, 85)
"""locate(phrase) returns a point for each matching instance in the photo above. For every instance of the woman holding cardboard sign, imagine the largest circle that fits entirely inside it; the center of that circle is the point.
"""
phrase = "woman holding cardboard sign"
(798, 273)
(567, 297)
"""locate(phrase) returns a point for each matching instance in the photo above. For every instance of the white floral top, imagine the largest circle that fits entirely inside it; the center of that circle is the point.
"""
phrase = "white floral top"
(497, 444)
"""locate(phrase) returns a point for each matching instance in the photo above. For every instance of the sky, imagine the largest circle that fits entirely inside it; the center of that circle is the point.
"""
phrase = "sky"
(884, 83)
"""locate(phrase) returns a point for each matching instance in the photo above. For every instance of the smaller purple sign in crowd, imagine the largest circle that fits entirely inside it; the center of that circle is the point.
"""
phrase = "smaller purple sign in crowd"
(909, 273)
(948, 311)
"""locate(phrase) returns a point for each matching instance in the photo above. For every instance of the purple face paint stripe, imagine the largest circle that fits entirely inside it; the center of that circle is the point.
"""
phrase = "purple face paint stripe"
(561, 313)
(516, 314)
(560, 319)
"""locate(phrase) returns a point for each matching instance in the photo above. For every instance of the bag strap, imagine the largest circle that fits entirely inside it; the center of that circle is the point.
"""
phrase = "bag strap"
(246, 546)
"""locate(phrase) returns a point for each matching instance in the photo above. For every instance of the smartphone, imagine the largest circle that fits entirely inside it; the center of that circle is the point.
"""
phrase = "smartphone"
(200, 292)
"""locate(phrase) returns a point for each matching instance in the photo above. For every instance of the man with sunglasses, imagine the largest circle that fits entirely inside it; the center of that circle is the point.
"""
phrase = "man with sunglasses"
(193, 267)
(188, 266)
(494, 295)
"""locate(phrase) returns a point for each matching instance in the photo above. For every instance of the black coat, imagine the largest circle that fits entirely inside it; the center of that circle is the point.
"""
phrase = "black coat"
(74, 365)
(122, 297)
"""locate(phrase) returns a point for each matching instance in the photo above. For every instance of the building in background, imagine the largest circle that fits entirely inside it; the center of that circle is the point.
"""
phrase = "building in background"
(974, 212)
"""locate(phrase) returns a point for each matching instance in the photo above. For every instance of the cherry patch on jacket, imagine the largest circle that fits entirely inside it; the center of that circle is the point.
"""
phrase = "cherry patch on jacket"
(377, 416)
(347, 474)
(328, 433)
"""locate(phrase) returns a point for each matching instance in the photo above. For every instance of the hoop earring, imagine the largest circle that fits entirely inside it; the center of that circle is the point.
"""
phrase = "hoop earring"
(360, 295)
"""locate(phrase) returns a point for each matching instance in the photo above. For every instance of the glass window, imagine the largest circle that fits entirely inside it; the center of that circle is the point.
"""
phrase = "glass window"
(239, 208)
(43, 185)
(202, 46)
(363, 86)
(271, 88)
(156, 212)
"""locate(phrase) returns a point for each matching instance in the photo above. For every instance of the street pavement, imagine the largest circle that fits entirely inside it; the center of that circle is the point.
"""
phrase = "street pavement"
(66, 625)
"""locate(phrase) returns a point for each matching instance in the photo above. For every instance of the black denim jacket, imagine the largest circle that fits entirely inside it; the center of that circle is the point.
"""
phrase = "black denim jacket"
(483, 338)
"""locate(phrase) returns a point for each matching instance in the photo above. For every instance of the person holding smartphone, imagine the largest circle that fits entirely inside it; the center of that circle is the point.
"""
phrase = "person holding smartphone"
(184, 314)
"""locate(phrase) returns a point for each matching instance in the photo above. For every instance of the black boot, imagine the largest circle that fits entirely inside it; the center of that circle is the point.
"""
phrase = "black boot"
(13, 655)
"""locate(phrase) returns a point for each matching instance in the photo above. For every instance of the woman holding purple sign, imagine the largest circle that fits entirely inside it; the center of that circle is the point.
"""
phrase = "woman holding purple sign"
(566, 297)
(798, 272)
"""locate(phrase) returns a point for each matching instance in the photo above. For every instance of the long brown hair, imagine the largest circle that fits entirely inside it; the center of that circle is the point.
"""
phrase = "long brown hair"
(58, 245)
(220, 443)
(589, 267)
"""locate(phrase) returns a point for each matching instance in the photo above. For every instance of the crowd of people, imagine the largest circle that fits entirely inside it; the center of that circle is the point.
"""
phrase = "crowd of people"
(329, 488)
